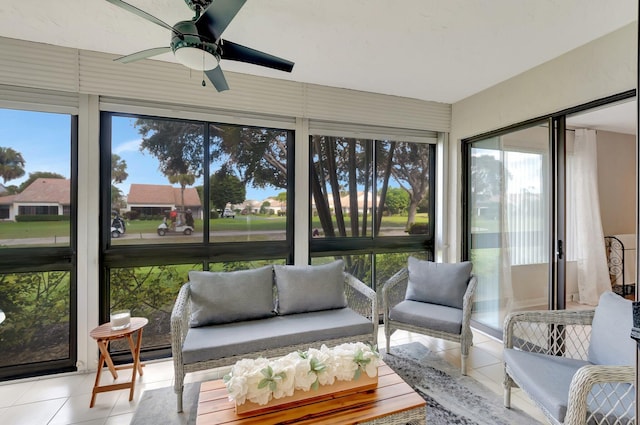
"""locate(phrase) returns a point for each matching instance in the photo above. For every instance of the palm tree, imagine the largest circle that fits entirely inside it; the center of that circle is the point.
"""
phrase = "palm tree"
(184, 180)
(11, 164)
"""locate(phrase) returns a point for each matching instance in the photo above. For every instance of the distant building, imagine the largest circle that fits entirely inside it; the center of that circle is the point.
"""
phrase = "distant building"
(45, 196)
(157, 199)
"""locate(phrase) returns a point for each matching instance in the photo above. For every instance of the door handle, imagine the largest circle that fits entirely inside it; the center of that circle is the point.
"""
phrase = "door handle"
(560, 251)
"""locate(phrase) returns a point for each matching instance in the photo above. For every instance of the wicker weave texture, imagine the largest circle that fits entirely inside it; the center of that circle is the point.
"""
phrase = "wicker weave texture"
(593, 398)
(360, 298)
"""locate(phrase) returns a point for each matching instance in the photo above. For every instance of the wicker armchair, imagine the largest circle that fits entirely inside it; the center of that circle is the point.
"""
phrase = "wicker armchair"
(550, 355)
(393, 292)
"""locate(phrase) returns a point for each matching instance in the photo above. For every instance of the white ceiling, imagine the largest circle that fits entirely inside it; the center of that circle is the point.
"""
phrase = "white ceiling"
(439, 50)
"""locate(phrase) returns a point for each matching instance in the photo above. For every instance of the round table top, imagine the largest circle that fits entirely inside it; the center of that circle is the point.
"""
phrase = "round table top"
(104, 331)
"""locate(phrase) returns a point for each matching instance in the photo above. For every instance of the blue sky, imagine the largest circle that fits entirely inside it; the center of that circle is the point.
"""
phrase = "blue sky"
(43, 140)
(143, 167)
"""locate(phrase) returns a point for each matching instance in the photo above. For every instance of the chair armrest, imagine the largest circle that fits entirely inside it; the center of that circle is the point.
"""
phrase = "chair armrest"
(362, 299)
(555, 332)
(467, 302)
(180, 321)
(618, 394)
(394, 289)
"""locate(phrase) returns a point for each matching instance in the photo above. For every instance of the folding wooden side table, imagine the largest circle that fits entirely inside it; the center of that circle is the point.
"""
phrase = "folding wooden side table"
(103, 335)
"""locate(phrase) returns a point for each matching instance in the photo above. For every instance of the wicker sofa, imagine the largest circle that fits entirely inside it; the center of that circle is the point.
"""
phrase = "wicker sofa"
(220, 318)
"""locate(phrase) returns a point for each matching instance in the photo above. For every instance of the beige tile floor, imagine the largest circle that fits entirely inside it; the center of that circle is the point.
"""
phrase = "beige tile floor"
(64, 399)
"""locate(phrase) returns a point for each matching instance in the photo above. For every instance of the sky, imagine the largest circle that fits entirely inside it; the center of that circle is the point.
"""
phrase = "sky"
(143, 167)
(43, 139)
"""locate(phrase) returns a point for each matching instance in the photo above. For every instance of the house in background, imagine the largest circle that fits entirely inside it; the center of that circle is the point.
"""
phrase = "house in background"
(45, 196)
(157, 199)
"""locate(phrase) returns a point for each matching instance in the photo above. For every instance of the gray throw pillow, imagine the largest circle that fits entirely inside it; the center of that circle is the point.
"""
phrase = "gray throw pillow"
(310, 288)
(225, 297)
(438, 283)
(610, 343)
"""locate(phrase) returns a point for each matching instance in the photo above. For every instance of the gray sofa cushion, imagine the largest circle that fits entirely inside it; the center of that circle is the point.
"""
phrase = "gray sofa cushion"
(226, 297)
(432, 316)
(255, 336)
(310, 288)
(438, 283)
(545, 378)
(610, 343)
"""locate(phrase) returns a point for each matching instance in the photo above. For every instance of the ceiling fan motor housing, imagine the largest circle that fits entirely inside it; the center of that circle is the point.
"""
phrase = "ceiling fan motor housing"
(191, 49)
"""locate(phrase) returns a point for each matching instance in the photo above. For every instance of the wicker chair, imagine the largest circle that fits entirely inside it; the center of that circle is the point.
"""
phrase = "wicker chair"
(393, 293)
(554, 358)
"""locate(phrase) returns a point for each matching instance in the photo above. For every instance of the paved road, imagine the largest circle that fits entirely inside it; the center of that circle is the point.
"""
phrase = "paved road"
(170, 237)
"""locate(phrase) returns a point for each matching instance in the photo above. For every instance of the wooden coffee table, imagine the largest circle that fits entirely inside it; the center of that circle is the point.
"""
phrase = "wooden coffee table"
(392, 402)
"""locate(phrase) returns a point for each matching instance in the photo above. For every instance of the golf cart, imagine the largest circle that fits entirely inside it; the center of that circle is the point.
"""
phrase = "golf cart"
(182, 225)
(118, 226)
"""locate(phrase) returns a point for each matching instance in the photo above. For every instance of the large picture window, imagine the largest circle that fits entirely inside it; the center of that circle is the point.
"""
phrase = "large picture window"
(187, 195)
(372, 204)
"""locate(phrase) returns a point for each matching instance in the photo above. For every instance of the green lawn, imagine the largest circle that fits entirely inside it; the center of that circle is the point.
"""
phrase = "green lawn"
(47, 229)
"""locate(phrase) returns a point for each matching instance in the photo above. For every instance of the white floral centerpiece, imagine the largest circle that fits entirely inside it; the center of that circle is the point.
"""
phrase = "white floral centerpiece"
(261, 380)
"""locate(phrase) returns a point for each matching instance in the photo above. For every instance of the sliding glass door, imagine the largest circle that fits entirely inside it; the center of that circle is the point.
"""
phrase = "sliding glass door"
(509, 201)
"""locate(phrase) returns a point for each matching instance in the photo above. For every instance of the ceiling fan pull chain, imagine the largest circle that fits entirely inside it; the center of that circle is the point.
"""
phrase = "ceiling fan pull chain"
(203, 83)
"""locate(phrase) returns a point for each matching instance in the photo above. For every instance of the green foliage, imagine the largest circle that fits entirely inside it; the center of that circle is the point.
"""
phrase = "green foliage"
(270, 379)
(11, 164)
(36, 305)
(178, 145)
(118, 169)
(41, 217)
(226, 188)
(397, 200)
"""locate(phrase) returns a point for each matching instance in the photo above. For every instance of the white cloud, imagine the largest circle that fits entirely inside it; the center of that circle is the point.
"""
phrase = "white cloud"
(130, 146)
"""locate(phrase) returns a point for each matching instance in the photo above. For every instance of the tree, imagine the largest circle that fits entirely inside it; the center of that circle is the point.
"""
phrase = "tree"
(226, 188)
(11, 164)
(397, 200)
(118, 175)
(411, 170)
(177, 145)
(183, 180)
(487, 175)
(38, 175)
(118, 169)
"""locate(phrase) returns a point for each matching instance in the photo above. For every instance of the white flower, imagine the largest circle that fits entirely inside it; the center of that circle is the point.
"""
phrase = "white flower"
(326, 376)
(303, 376)
(237, 388)
(260, 380)
(285, 369)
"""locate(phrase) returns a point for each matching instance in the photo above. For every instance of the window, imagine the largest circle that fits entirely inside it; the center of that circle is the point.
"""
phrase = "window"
(372, 203)
(187, 195)
(37, 211)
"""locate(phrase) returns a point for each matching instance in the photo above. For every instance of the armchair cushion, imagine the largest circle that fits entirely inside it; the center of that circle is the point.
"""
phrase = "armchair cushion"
(430, 316)
(610, 343)
(438, 283)
(545, 378)
(224, 297)
(302, 289)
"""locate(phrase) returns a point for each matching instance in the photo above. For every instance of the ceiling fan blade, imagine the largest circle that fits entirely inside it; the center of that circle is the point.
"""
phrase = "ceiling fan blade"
(216, 77)
(143, 54)
(237, 52)
(140, 13)
(215, 19)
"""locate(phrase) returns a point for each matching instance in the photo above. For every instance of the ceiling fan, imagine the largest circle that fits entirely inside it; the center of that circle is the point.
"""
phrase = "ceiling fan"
(197, 43)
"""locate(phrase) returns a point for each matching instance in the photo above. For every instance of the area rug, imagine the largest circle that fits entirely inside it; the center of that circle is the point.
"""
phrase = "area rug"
(452, 399)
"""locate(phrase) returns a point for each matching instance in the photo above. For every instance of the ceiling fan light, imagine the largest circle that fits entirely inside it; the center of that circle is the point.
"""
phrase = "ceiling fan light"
(196, 58)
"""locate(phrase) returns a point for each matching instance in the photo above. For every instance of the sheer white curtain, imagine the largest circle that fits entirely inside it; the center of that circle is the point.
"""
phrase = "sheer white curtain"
(584, 210)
